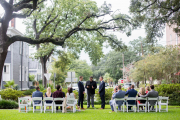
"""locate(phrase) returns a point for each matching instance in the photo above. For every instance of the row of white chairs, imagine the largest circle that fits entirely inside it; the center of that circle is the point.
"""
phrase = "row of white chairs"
(42, 103)
(159, 101)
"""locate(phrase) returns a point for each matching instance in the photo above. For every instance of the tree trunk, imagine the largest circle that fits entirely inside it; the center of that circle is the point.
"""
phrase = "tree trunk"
(2, 60)
(44, 70)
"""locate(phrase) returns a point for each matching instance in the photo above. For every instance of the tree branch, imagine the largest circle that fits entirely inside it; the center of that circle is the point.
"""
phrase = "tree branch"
(22, 6)
(110, 39)
(42, 29)
(147, 6)
(22, 2)
(34, 27)
(55, 41)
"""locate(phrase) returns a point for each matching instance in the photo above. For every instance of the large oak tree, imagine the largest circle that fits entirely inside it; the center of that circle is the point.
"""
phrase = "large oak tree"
(24, 8)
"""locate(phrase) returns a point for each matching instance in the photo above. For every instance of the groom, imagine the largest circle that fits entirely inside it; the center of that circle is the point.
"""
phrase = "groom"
(102, 92)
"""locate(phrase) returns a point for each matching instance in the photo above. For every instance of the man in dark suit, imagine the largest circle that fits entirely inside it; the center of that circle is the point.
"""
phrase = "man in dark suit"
(102, 92)
(131, 93)
(37, 93)
(58, 94)
(90, 86)
(81, 92)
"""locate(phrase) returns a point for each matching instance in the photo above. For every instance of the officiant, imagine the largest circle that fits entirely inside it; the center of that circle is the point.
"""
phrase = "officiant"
(90, 86)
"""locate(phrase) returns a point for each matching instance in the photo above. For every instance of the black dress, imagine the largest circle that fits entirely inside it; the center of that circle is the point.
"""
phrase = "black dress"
(141, 101)
(48, 101)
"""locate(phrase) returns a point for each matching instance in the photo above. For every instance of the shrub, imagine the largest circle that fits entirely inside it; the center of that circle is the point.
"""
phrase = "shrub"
(170, 90)
(8, 104)
(31, 77)
(29, 92)
(10, 94)
(108, 94)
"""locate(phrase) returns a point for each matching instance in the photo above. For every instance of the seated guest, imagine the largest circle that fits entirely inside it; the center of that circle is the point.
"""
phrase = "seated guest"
(58, 94)
(37, 93)
(131, 93)
(147, 89)
(48, 94)
(117, 94)
(62, 92)
(70, 94)
(151, 93)
(129, 88)
(141, 92)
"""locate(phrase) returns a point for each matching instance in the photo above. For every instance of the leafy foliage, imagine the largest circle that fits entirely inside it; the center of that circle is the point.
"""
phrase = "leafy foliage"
(170, 90)
(10, 84)
(10, 94)
(81, 68)
(31, 77)
(159, 66)
(29, 92)
(154, 15)
(8, 104)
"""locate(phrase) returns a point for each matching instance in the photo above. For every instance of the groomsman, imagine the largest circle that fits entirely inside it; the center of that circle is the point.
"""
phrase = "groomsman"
(81, 92)
(102, 92)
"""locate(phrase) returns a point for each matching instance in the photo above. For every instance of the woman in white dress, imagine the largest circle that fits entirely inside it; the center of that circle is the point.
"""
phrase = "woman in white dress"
(70, 94)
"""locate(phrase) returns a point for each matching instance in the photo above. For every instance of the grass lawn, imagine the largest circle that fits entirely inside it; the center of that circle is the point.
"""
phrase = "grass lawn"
(92, 114)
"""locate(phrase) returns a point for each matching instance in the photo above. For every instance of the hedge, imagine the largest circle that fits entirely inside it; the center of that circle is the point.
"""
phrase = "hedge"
(10, 94)
(170, 90)
(8, 104)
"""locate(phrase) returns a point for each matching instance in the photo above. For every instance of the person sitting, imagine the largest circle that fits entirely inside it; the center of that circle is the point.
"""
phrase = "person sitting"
(48, 94)
(151, 93)
(141, 92)
(70, 94)
(131, 93)
(147, 89)
(37, 93)
(117, 94)
(58, 94)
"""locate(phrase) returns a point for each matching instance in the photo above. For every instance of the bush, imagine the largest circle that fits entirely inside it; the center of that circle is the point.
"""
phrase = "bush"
(10, 94)
(170, 90)
(31, 77)
(8, 104)
(29, 92)
(108, 94)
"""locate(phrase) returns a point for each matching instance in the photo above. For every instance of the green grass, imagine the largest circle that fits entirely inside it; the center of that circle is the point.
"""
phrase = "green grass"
(92, 114)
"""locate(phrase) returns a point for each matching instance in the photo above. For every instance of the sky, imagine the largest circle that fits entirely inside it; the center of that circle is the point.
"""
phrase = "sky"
(123, 7)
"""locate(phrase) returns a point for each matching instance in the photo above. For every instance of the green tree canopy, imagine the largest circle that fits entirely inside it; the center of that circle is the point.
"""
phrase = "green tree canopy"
(154, 15)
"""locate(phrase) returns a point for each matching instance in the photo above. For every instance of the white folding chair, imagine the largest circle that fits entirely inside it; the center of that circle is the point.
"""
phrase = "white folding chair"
(57, 105)
(72, 102)
(48, 104)
(163, 101)
(116, 105)
(133, 105)
(34, 99)
(0, 97)
(154, 99)
(23, 104)
(142, 104)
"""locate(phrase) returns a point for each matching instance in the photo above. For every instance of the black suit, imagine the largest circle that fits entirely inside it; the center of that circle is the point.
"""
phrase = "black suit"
(81, 95)
(102, 94)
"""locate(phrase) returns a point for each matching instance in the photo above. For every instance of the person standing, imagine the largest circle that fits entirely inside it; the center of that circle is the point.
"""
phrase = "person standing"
(81, 92)
(90, 86)
(102, 92)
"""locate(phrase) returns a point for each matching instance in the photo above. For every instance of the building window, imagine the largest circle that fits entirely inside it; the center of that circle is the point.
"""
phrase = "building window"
(20, 73)
(26, 73)
(6, 69)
